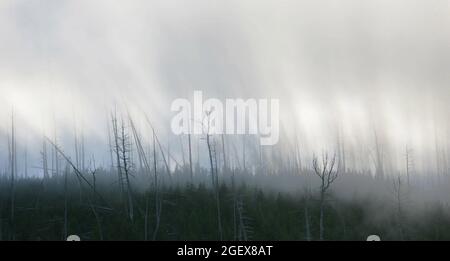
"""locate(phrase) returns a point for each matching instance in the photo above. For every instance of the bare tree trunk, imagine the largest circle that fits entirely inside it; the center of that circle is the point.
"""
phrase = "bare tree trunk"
(322, 208)
(191, 172)
(77, 152)
(26, 163)
(97, 219)
(94, 182)
(45, 160)
(307, 225)
(83, 155)
(56, 155)
(408, 166)
(157, 199)
(398, 198)
(110, 146)
(146, 164)
(65, 231)
(327, 176)
(379, 158)
(117, 152)
(225, 166)
(126, 168)
(77, 172)
(215, 184)
(183, 157)
(198, 155)
(243, 235)
(82, 178)
(168, 154)
(13, 174)
(243, 153)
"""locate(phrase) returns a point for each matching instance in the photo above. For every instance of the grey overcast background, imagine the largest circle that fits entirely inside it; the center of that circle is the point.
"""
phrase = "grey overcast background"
(351, 68)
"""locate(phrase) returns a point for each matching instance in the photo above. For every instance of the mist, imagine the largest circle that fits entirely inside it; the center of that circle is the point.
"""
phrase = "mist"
(354, 73)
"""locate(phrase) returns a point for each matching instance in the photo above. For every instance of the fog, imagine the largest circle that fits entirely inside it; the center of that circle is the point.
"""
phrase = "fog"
(354, 72)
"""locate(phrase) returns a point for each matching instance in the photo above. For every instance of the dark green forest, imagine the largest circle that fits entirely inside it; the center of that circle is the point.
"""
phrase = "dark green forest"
(55, 208)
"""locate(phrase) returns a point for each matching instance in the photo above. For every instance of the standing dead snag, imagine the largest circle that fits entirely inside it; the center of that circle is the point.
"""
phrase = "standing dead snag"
(66, 223)
(117, 152)
(307, 188)
(81, 178)
(214, 175)
(379, 163)
(125, 150)
(160, 148)
(55, 161)
(13, 166)
(409, 165)
(191, 172)
(327, 174)
(398, 193)
(25, 159)
(77, 172)
(45, 160)
(146, 164)
(158, 200)
(215, 180)
(110, 146)
(157, 182)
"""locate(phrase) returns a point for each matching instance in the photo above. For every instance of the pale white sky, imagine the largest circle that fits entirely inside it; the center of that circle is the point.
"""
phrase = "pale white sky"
(357, 64)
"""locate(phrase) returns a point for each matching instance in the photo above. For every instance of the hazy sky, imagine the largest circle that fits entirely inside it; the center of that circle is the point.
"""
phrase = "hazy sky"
(356, 66)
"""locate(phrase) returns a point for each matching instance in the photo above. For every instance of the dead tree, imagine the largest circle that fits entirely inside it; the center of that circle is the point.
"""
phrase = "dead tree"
(379, 163)
(341, 153)
(146, 164)
(117, 154)
(77, 161)
(25, 159)
(82, 156)
(225, 166)
(143, 163)
(307, 188)
(110, 145)
(215, 182)
(157, 183)
(77, 151)
(408, 165)
(45, 160)
(191, 172)
(82, 178)
(241, 226)
(243, 153)
(66, 222)
(55, 161)
(214, 174)
(93, 173)
(307, 224)
(168, 153)
(328, 174)
(158, 200)
(125, 148)
(77, 172)
(13, 166)
(398, 194)
(160, 148)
